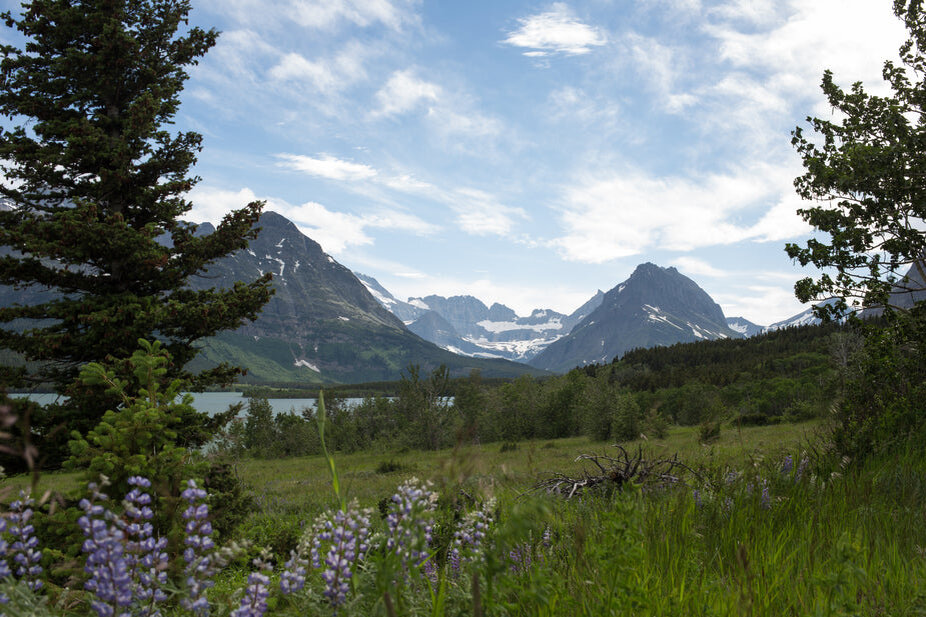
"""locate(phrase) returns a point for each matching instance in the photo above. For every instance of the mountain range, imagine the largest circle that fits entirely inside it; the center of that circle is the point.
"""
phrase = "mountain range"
(326, 324)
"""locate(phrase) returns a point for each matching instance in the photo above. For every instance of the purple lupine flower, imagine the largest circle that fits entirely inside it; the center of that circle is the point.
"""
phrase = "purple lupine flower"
(4, 565)
(787, 465)
(109, 580)
(409, 522)
(469, 537)
(766, 499)
(200, 561)
(731, 477)
(24, 546)
(728, 504)
(292, 579)
(343, 540)
(254, 602)
(696, 493)
(520, 558)
(127, 565)
(146, 556)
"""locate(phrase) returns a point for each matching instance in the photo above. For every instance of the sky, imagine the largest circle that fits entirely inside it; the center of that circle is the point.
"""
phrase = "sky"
(529, 153)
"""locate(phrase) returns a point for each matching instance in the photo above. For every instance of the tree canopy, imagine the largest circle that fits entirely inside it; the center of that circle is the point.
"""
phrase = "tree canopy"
(865, 170)
(94, 184)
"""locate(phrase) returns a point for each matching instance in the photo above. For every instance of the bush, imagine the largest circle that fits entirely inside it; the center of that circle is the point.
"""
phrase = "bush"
(708, 432)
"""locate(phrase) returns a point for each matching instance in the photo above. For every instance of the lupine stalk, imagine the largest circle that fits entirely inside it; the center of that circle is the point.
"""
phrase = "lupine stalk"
(105, 545)
(200, 562)
(145, 555)
(4, 565)
(254, 602)
(343, 540)
(409, 523)
(469, 537)
(26, 557)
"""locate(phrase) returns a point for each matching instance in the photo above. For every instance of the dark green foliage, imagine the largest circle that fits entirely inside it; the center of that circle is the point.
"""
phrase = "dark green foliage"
(390, 466)
(97, 184)
(884, 401)
(229, 505)
(709, 432)
(139, 437)
(864, 175)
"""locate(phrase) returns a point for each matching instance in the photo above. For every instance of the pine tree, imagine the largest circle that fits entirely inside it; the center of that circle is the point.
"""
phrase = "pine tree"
(94, 185)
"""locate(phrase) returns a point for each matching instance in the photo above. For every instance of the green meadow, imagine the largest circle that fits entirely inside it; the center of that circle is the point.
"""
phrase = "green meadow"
(741, 534)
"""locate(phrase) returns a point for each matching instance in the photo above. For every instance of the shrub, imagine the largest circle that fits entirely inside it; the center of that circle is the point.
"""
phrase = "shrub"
(708, 432)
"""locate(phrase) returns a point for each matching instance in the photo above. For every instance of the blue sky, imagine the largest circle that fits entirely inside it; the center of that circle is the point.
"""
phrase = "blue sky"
(529, 153)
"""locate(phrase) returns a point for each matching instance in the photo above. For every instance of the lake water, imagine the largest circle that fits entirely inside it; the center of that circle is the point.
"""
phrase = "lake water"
(214, 402)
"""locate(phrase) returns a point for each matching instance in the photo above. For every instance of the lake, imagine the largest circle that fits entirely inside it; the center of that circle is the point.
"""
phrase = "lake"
(213, 402)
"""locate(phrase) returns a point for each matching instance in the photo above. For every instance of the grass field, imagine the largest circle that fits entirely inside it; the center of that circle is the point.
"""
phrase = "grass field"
(753, 536)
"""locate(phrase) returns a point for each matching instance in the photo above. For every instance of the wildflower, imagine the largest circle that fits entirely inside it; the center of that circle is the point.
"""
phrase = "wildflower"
(25, 556)
(292, 579)
(254, 602)
(109, 580)
(731, 477)
(409, 522)
(200, 562)
(345, 537)
(696, 493)
(469, 538)
(786, 465)
(766, 499)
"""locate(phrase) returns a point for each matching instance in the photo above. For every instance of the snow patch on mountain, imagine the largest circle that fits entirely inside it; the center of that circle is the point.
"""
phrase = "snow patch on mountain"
(307, 365)
(506, 326)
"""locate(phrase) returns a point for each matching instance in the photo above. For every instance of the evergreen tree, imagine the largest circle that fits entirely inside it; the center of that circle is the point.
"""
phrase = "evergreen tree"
(94, 185)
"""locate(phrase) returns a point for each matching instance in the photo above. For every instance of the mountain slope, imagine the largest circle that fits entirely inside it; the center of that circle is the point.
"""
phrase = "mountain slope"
(655, 306)
(322, 324)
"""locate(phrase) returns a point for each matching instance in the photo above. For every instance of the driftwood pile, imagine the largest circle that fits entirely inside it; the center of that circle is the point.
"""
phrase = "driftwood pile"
(613, 472)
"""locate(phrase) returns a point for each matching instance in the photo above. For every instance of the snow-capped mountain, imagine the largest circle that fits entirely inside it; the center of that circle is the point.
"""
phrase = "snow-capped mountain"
(744, 326)
(655, 306)
(465, 325)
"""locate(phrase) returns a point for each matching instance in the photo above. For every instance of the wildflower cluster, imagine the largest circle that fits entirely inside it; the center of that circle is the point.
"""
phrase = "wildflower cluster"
(339, 542)
(254, 602)
(126, 564)
(469, 538)
(409, 523)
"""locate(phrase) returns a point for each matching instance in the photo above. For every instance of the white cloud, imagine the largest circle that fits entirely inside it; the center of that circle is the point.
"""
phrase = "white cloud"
(760, 304)
(851, 37)
(699, 267)
(661, 65)
(480, 214)
(211, 204)
(327, 166)
(556, 31)
(451, 123)
(326, 76)
(334, 231)
(403, 93)
(319, 14)
(613, 215)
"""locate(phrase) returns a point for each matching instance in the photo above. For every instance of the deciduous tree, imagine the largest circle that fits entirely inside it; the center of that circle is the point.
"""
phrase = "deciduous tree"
(866, 171)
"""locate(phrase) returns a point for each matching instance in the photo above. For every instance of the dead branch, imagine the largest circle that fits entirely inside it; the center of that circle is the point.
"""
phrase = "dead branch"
(614, 471)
